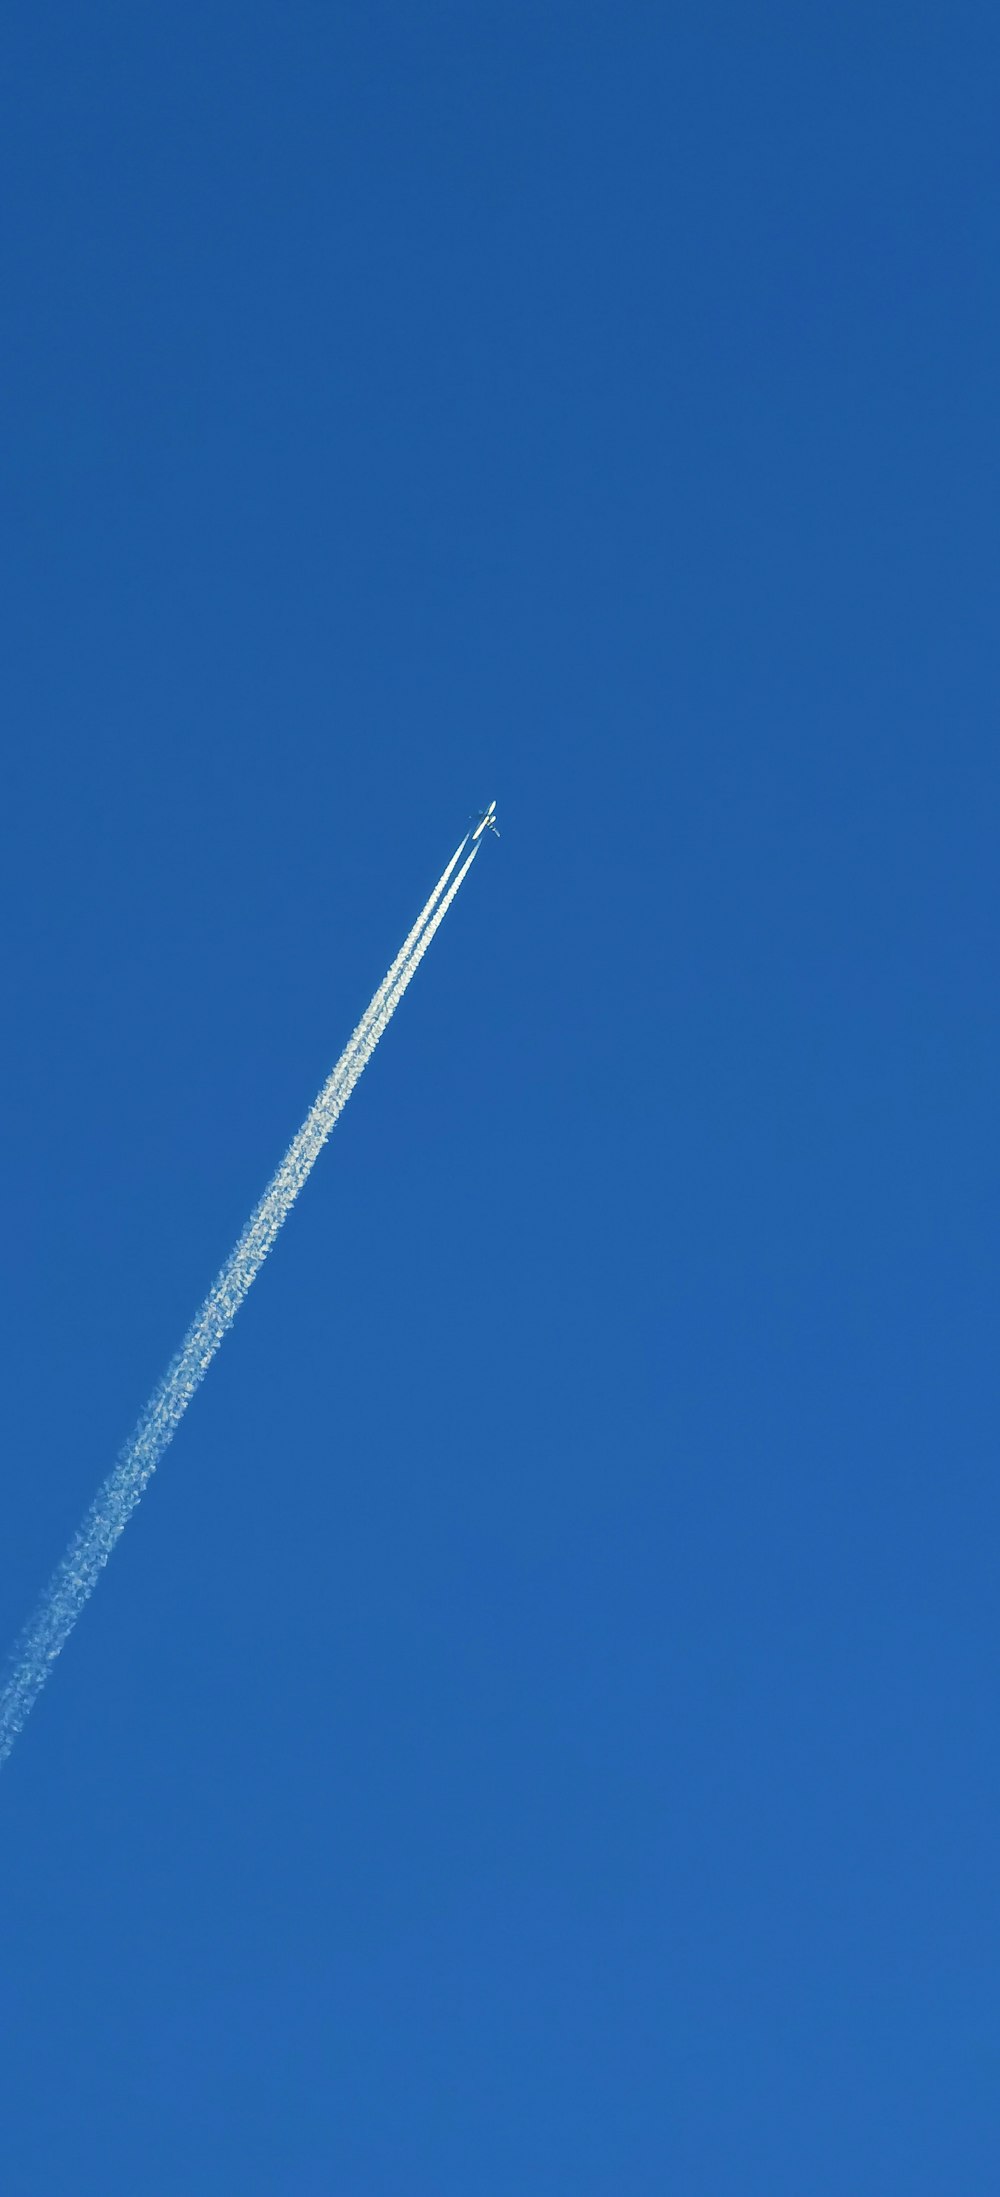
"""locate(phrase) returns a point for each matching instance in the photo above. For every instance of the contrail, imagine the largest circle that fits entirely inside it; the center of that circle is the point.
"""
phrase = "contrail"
(75, 1578)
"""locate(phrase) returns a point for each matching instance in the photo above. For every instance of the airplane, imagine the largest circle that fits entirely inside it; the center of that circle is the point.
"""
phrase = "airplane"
(485, 820)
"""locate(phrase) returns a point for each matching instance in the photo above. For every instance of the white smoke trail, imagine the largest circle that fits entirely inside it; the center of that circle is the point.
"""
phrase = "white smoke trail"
(391, 977)
(75, 1578)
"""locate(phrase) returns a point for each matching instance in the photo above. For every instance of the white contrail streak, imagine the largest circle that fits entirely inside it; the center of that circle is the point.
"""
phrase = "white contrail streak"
(391, 978)
(77, 1575)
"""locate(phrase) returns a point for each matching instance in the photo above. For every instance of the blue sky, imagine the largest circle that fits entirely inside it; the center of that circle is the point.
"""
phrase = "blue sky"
(539, 1732)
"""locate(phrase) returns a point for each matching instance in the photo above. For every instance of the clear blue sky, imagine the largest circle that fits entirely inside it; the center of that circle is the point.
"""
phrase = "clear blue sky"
(539, 1733)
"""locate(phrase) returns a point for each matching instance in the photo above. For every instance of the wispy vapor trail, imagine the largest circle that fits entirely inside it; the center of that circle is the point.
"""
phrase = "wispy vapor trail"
(76, 1576)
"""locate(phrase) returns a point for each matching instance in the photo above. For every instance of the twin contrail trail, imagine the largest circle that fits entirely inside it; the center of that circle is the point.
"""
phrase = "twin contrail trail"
(77, 1575)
